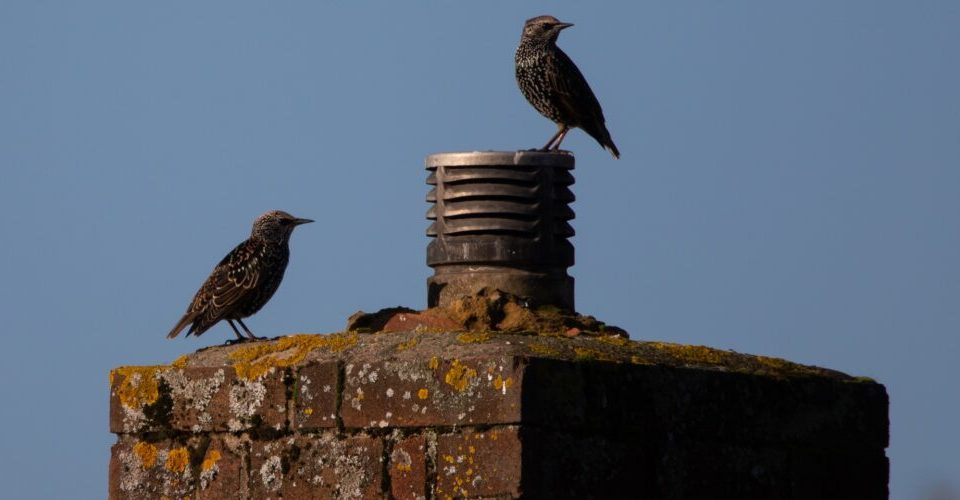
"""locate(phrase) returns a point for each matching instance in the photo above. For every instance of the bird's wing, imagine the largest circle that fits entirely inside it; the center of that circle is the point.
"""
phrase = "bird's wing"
(227, 285)
(238, 272)
(573, 92)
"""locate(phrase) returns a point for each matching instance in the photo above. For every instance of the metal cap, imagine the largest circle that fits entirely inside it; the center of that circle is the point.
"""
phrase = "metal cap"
(500, 219)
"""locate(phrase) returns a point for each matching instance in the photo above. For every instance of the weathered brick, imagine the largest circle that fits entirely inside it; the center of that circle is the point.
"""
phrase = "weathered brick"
(560, 464)
(431, 391)
(541, 417)
(408, 468)
(479, 464)
(322, 465)
(195, 467)
(222, 472)
(199, 399)
(315, 396)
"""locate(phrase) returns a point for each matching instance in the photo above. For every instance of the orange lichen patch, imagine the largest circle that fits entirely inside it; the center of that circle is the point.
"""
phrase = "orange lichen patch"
(587, 354)
(403, 346)
(459, 375)
(697, 354)
(210, 460)
(147, 453)
(474, 337)
(693, 355)
(434, 363)
(177, 460)
(619, 341)
(180, 362)
(138, 385)
(502, 385)
(543, 349)
(403, 467)
(637, 360)
(423, 393)
(255, 361)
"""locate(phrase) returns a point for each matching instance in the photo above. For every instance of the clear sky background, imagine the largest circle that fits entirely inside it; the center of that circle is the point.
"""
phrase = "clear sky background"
(790, 186)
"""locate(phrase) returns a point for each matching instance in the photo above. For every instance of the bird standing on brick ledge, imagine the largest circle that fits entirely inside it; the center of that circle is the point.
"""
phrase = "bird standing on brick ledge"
(245, 279)
(553, 84)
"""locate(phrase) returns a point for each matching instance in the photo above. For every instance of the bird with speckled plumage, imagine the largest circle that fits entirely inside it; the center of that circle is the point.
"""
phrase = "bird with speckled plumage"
(553, 84)
(245, 280)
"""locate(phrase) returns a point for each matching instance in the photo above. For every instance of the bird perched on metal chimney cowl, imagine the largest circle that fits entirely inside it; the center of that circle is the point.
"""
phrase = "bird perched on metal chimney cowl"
(553, 84)
(245, 279)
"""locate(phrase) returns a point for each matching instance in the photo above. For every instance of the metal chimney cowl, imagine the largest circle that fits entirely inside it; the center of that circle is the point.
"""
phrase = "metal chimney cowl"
(501, 220)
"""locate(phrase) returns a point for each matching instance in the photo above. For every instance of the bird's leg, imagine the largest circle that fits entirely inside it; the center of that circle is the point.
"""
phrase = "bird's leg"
(239, 337)
(249, 333)
(560, 136)
(560, 130)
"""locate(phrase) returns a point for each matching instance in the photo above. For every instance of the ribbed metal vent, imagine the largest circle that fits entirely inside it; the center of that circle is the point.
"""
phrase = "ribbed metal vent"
(501, 219)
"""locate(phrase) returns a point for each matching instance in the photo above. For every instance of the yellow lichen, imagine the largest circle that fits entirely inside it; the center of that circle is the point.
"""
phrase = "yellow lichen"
(434, 363)
(147, 453)
(308, 411)
(253, 362)
(693, 353)
(403, 346)
(138, 386)
(403, 467)
(502, 385)
(180, 362)
(459, 375)
(177, 460)
(637, 360)
(544, 349)
(423, 393)
(210, 460)
(587, 354)
(474, 337)
(620, 341)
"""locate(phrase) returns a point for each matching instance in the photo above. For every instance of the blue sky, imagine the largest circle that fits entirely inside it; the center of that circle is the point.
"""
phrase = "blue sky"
(789, 186)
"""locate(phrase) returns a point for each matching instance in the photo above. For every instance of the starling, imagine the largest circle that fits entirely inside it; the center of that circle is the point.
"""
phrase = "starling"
(555, 87)
(245, 279)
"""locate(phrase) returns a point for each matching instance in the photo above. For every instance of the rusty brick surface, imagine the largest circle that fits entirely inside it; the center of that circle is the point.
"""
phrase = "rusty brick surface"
(199, 399)
(194, 467)
(479, 464)
(432, 391)
(408, 468)
(470, 414)
(315, 396)
(407, 321)
(321, 465)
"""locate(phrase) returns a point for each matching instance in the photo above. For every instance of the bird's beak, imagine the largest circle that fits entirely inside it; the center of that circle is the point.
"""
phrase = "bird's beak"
(562, 26)
(297, 222)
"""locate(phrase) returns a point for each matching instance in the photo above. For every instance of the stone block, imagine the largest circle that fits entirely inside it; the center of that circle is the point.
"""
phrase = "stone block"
(322, 465)
(431, 391)
(408, 468)
(479, 464)
(197, 467)
(315, 396)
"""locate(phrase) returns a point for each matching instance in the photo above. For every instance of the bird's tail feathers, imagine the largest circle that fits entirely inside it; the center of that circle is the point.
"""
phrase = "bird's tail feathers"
(612, 149)
(184, 321)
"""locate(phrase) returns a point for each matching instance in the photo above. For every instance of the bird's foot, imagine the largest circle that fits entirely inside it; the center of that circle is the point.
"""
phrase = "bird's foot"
(242, 341)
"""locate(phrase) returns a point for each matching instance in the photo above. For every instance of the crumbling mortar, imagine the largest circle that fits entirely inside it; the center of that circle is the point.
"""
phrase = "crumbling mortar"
(386, 487)
(430, 459)
(289, 383)
(338, 403)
